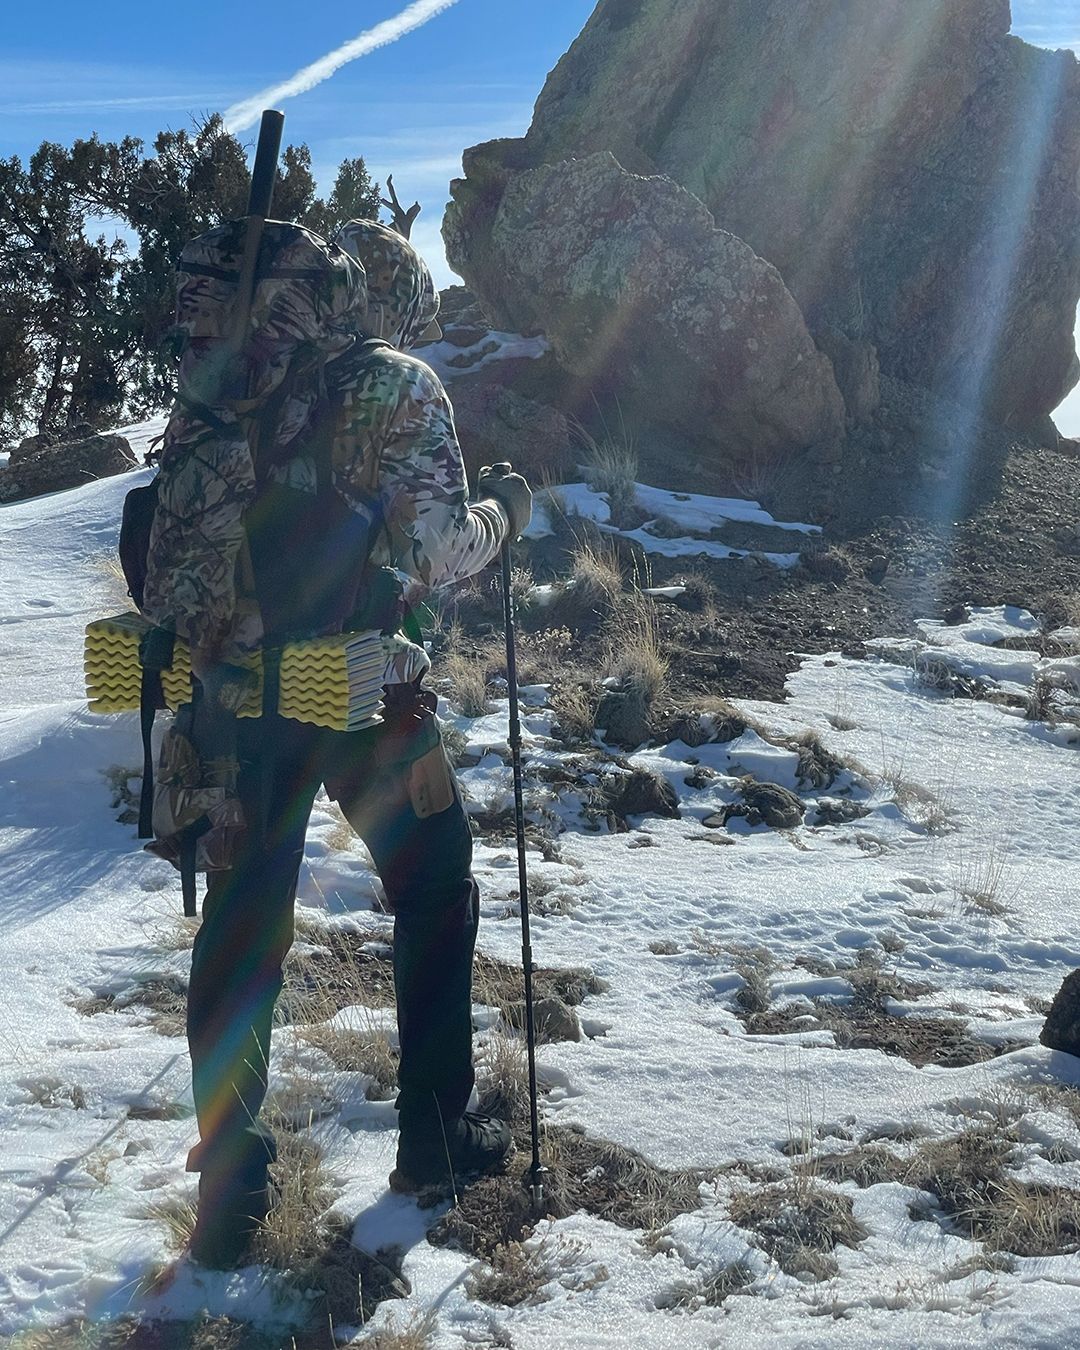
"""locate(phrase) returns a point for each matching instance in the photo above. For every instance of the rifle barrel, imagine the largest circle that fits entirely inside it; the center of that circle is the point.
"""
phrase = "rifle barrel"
(266, 158)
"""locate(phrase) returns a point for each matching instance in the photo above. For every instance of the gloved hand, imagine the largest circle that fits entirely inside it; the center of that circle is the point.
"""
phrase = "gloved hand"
(225, 687)
(512, 493)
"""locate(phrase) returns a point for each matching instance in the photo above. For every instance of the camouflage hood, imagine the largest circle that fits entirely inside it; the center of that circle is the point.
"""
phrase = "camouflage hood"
(402, 299)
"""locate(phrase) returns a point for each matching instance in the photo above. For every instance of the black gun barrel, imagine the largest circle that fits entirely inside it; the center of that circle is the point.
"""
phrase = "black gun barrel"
(266, 158)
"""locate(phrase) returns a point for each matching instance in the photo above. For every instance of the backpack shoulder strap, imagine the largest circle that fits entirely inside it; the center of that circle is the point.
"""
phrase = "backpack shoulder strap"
(363, 355)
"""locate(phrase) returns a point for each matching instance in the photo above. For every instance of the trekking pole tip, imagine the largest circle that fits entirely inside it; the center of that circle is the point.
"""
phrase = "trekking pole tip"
(535, 1180)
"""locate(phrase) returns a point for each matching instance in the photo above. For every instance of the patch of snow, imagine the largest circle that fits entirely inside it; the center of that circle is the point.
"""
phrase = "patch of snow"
(510, 346)
(699, 548)
(699, 514)
(693, 511)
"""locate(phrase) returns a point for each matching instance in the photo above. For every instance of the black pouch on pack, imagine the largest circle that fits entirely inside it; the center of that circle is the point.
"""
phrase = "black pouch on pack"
(309, 549)
(135, 525)
(308, 552)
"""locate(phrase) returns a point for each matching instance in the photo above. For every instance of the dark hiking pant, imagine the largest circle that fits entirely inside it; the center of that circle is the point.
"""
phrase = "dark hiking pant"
(247, 926)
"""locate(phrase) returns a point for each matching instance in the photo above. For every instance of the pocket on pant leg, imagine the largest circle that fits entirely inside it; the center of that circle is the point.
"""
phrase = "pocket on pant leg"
(429, 783)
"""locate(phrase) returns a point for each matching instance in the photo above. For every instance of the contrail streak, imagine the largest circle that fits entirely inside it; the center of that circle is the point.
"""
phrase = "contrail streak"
(246, 113)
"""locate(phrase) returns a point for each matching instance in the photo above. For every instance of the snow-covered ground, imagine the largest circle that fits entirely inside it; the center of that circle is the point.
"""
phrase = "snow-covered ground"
(962, 798)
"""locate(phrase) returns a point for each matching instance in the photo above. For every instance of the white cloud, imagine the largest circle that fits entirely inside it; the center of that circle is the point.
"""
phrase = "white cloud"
(60, 88)
(246, 113)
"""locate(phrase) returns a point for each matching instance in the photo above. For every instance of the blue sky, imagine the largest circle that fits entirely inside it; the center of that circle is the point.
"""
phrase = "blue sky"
(132, 67)
(472, 73)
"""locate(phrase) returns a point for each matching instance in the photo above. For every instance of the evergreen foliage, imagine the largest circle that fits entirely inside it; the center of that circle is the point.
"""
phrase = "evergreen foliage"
(89, 238)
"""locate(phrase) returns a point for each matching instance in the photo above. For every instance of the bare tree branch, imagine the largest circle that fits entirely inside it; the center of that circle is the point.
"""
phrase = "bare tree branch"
(403, 220)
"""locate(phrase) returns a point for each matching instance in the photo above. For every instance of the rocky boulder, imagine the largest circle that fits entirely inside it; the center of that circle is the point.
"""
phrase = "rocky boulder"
(44, 464)
(641, 793)
(1061, 1030)
(641, 294)
(765, 804)
(908, 166)
(496, 423)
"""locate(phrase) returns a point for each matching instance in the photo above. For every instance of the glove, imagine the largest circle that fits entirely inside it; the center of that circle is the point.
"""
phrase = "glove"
(512, 493)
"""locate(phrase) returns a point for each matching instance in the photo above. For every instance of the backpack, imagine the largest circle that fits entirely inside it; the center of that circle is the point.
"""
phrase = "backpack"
(210, 548)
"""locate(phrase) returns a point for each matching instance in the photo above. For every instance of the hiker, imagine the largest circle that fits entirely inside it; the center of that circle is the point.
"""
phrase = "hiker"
(392, 429)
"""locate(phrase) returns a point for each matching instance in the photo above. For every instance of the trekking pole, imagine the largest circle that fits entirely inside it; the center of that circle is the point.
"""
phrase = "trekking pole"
(534, 1177)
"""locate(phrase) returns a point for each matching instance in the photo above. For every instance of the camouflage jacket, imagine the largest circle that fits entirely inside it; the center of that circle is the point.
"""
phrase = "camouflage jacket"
(395, 441)
(394, 445)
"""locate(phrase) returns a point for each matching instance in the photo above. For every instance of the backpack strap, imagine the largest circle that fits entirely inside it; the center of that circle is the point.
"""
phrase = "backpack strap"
(155, 655)
(323, 447)
(149, 693)
(189, 889)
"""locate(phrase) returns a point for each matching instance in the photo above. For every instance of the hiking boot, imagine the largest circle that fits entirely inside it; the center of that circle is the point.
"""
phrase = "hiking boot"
(232, 1209)
(471, 1146)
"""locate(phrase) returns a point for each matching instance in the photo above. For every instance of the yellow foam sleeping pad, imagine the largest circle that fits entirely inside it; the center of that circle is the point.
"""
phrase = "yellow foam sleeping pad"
(333, 682)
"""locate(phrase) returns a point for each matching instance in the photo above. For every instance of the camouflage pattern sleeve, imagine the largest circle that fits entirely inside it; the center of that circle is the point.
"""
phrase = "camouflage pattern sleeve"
(399, 416)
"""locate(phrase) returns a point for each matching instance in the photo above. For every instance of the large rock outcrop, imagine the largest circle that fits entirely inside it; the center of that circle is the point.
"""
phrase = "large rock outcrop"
(909, 168)
(642, 295)
(48, 464)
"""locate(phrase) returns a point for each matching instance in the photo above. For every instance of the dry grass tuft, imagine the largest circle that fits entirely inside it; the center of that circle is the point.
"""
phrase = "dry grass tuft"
(818, 767)
(469, 668)
(503, 1076)
(313, 1249)
(341, 968)
(176, 1214)
(611, 467)
(865, 1165)
(107, 566)
(455, 743)
(575, 707)
(755, 967)
(1052, 697)
(51, 1093)
(162, 998)
(516, 1273)
(967, 1173)
(730, 1280)
(128, 1333)
(799, 1223)
(867, 1023)
(664, 947)
(123, 796)
(603, 1179)
(1057, 1096)
(710, 1292)
(983, 880)
(759, 476)
(368, 1051)
(297, 1100)
(341, 836)
(826, 562)
(637, 658)
(592, 587)
(415, 1335)
(501, 986)
(292, 1235)
(544, 655)
(176, 934)
(313, 1255)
